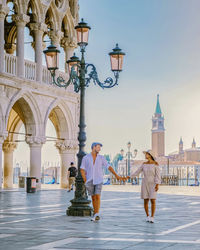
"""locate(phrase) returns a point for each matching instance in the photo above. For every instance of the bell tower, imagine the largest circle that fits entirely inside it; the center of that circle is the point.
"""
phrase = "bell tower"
(181, 145)
(158, 131)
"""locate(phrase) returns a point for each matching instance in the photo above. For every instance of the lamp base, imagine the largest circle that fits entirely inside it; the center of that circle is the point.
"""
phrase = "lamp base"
(79, 207)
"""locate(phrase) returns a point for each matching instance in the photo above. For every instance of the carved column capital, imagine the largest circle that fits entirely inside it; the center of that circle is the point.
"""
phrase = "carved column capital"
(67, 146)
(9, 147)
(56, 36)
(21, 19)
(34, 141)
(10, 48)
(38, 27)
(67, 42)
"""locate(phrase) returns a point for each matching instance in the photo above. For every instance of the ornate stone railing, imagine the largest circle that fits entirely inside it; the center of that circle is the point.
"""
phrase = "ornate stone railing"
(30, 70)
(46, 76)
(10, 65)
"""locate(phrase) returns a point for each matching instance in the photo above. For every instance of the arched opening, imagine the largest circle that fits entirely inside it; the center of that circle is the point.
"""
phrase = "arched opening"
(10, 29)
(60, 120)
(21, 165)
(20, 126)
(50, 157)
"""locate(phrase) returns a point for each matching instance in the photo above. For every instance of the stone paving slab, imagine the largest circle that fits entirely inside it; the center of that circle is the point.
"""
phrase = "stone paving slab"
(39, 221)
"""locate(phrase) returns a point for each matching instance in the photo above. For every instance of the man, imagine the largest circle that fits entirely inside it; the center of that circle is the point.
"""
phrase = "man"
(72, 172)
(92, 173)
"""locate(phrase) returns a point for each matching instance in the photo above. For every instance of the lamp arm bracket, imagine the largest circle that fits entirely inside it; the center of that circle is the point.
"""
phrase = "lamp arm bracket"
(93, 75)
(73, 79)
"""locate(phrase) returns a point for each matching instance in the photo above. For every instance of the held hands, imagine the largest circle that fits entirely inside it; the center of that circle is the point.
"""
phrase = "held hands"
(119, 178)
(156, 187)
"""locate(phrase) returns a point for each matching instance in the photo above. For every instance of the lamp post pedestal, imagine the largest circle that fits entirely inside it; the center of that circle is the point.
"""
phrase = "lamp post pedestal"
(80, 204)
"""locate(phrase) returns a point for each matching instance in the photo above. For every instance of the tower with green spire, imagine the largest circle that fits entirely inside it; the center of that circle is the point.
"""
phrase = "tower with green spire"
(158, 131)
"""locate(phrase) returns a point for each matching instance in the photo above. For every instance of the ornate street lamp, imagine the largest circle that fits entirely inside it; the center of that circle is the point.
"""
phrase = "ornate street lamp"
(82, 30)
(116, 59)
(129, 156)
(81, 74)
(52, 58)
(73, 62)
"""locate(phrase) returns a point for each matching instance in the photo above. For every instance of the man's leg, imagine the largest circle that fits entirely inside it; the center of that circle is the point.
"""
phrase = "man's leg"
(96, 201)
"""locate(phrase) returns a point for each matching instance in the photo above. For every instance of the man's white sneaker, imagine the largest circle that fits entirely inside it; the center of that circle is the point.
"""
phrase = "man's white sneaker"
(148, 219)
(96, 217)
(93, 218)
(151, 220)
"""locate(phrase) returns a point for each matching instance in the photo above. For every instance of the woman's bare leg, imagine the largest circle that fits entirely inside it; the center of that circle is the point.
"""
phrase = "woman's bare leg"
(146, 206)
(153, 207)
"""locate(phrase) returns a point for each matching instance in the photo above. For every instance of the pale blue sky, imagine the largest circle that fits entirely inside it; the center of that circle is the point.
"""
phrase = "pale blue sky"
(162, 44)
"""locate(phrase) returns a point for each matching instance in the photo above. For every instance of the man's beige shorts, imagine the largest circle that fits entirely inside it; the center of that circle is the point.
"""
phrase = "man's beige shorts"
(71, 180)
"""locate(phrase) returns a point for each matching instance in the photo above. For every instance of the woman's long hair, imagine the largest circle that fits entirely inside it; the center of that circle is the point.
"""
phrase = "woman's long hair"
(152, 158)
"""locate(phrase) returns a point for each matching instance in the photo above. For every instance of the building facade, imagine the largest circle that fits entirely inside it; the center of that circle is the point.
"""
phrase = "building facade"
(189, 154)
(26, 94)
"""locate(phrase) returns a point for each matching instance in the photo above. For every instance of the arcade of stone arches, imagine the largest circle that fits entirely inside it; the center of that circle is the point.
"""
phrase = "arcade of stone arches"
(26, 95)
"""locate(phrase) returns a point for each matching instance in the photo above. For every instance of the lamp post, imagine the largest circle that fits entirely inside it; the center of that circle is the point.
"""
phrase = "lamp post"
(129, 156)
(81, 74)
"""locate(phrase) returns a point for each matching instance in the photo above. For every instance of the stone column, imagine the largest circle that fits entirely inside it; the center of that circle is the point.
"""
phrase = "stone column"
(0, 164)
(1, 142)
(35, 145)
(67, 151)
(8, 149)
(2, 139)
(38, 30)
(68, 46)
(21, 20)
(3, 12)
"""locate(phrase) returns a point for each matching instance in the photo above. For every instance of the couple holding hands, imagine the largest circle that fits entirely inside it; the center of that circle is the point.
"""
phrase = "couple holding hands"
(92, 172)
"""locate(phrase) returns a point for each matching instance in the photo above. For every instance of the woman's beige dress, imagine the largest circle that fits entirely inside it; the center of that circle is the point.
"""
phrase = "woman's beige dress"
(151, 177)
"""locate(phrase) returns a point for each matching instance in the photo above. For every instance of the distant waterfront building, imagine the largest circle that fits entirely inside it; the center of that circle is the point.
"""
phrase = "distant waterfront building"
(184, 163)
(190, 154)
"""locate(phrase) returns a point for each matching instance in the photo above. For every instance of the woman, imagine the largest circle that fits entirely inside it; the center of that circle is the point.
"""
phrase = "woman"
(150, 183)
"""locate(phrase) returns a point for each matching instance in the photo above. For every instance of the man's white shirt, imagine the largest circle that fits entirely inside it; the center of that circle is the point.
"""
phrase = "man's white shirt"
(94, 171)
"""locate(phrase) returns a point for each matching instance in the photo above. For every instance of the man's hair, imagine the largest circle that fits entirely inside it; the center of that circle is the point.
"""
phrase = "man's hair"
(71, 163)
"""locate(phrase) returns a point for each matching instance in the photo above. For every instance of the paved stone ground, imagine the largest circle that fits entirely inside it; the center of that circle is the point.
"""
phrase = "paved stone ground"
(38, 221)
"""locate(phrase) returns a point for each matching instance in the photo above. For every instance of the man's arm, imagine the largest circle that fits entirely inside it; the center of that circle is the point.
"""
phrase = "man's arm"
(119, 178)
(83, 175)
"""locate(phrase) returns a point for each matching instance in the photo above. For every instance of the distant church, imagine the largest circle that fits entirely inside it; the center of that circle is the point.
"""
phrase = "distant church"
(158, 141)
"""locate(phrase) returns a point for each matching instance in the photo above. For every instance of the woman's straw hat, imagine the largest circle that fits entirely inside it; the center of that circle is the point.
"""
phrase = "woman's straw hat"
(149, 152)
